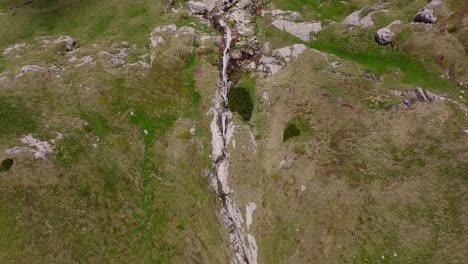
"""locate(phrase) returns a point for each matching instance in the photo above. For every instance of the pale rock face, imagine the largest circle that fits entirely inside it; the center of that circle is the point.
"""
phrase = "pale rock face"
(197, 8)
(243, 4)
(249, 209)
(300, 30)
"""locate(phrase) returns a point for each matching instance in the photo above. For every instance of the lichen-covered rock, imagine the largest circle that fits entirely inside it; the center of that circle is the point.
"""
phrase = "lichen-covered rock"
(426, 15)
(197, 8)
(386, 34)
(70, 43)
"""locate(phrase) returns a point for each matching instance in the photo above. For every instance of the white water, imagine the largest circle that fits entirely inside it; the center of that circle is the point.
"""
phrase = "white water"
(243, 244)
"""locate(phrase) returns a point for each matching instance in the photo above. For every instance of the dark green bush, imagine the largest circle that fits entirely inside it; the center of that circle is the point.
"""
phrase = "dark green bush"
(241, 102)
(6, 165)
(291, 131)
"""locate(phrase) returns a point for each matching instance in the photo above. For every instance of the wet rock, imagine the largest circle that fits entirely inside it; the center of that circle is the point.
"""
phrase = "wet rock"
(70, 43)
(197, 8)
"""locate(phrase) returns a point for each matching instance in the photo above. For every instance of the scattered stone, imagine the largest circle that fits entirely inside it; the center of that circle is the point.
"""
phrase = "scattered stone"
(170, 2)
(336, 64)
(56, 70)
(116, 59)
(249, 209)
(303, 188)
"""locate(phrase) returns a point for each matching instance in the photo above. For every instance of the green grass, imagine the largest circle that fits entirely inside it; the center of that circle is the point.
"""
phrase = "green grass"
(15, 118)
(291, 131)
(97, 124)
(319, 9)
(361, 47)
(85, 20)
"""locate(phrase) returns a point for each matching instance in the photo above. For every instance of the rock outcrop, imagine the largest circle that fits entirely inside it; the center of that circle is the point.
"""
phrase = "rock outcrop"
(426, 15)
(300, 30)
(197, 8)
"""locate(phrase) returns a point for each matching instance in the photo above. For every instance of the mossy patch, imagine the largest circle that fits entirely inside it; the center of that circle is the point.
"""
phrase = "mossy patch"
(184, 135)
(297, 128)
(291, 131)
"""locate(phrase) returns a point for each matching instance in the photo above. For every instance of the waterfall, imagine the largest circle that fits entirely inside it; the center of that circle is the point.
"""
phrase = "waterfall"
(243, 244)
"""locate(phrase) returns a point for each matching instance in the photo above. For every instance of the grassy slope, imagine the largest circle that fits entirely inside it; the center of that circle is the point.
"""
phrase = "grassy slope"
(382, 186)
(117, 202)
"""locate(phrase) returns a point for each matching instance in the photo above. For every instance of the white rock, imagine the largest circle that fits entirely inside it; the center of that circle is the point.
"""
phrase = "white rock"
(197, 8)
(249, 209)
